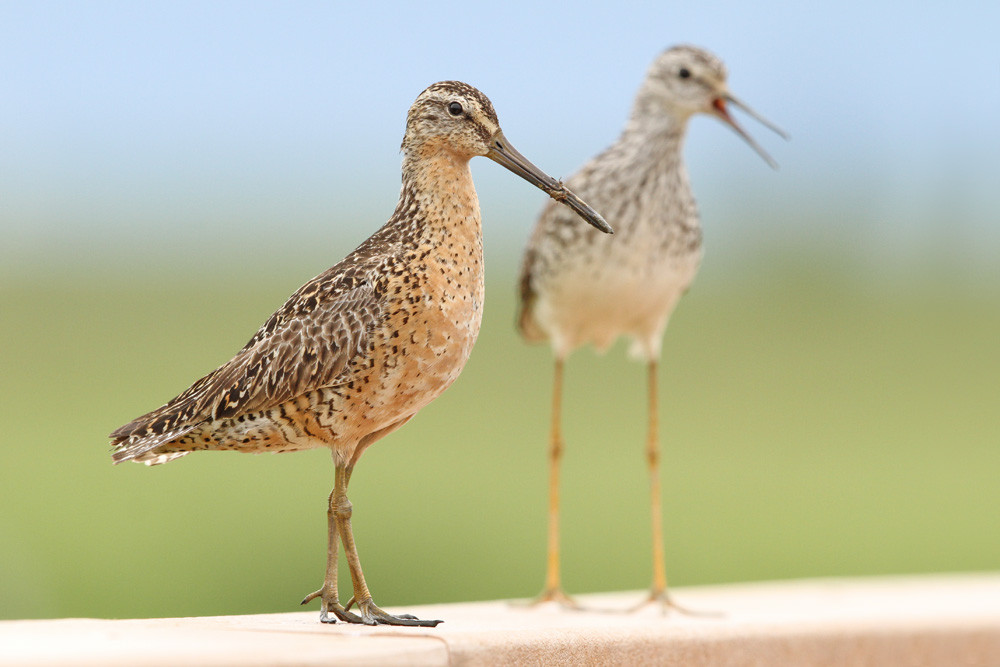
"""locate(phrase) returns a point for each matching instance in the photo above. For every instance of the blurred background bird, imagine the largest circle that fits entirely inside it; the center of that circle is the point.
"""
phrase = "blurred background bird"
(577, 288)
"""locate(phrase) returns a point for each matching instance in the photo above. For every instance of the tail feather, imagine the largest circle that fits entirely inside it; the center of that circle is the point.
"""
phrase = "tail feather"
(139, 439)
(129, 446)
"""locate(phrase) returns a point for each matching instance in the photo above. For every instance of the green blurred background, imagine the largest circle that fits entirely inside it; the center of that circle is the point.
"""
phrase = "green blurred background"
(812, 426)
(170, 173)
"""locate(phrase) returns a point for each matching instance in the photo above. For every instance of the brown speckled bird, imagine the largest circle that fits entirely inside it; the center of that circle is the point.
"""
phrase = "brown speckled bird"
(358, 350)
(579, 288)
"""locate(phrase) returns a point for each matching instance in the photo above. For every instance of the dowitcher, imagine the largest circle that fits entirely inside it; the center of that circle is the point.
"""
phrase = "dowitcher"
(578, 287)
(358, 350)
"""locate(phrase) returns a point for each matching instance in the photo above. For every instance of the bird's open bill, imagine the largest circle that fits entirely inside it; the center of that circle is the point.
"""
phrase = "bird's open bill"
(503, 153)
(722, 112)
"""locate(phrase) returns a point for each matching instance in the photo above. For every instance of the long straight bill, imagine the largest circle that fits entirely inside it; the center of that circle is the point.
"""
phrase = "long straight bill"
(504, 154)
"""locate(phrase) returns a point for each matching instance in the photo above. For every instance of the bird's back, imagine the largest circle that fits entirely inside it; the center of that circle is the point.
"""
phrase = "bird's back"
(355, 351)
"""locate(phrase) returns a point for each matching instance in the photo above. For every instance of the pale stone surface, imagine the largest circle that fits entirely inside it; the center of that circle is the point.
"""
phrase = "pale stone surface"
(940, 620)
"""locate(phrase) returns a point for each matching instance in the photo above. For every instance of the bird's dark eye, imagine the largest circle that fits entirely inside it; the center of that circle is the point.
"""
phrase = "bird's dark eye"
(455, 109)
(684, 73)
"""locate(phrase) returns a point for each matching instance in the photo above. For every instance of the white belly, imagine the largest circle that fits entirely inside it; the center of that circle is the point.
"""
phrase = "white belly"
(598, 301)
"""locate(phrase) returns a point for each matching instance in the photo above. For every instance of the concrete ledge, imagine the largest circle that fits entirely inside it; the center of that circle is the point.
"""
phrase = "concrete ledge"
(940, 620)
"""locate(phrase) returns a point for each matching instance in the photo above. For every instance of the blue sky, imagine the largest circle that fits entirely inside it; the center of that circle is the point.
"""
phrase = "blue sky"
(224, 127)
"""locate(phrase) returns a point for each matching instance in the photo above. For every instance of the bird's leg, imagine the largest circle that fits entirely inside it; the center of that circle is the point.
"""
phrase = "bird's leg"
(655, 500)
(658, 592)
(370, 613)
(553, 591)
(329, 597)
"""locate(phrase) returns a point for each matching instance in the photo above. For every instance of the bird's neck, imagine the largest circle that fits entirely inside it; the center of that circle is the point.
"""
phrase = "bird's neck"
(438, 191)
(649, 154)
(654, 136)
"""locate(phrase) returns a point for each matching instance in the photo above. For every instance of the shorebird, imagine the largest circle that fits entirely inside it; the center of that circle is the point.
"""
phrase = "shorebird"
(358, 350)
(577, 287)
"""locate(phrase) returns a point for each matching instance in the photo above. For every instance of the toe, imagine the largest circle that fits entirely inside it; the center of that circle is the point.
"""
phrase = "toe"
(370, 611)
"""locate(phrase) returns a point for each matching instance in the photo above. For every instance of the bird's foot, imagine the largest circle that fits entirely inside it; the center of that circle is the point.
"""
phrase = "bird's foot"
(666, 603)
(371, 614)
(555, 595)
(330, 604)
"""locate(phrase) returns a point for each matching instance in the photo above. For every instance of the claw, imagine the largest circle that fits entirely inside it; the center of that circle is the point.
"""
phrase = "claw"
(341, 614)
(331, 604)
(556, 595)
(371, 614)
(667, 603)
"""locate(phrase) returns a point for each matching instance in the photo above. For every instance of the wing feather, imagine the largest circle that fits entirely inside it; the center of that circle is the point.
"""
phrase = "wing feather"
(308, 344)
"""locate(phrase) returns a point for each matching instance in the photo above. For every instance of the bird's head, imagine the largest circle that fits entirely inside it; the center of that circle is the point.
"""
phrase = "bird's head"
(453, 117)
(685, 80)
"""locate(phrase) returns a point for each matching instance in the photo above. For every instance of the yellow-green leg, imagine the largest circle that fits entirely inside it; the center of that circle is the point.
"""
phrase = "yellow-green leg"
(371, 614)
(658, 592)
(328, 595)
(553, 591)
(339, 516)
